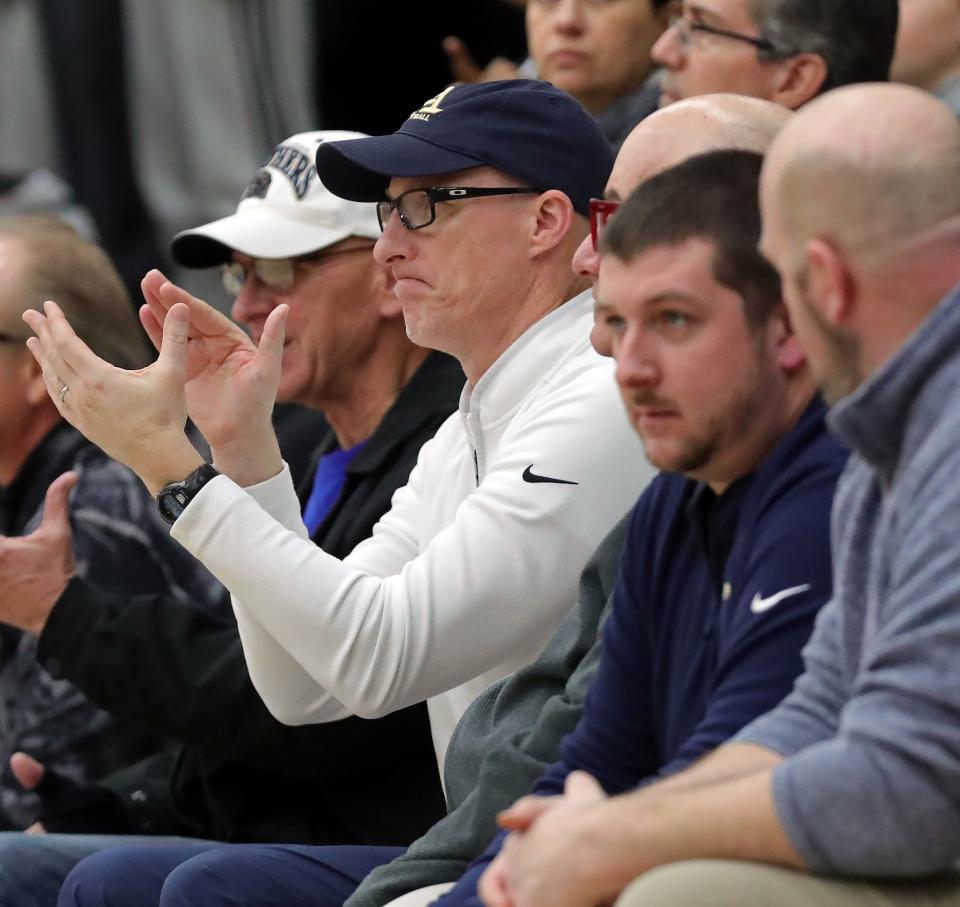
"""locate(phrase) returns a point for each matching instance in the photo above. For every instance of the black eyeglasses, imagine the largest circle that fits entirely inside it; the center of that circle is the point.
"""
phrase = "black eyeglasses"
(418, 207)
(686, 27)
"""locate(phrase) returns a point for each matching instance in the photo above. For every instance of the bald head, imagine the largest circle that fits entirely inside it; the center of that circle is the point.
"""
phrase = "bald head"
(872, 167)
(861, 216)
(708, 123)
(717, 122)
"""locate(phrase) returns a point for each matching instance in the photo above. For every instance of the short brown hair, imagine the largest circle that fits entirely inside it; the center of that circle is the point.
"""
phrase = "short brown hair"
(75, 273)
(712, 196)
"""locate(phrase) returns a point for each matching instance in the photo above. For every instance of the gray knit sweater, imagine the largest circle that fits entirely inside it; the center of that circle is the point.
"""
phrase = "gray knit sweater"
(871, 785)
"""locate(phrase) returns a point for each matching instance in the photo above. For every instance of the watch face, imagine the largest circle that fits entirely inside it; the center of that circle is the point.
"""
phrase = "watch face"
(172, 503)
(173, 499)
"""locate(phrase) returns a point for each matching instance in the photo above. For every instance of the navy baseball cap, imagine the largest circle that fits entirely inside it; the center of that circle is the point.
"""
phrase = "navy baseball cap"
(529, 129)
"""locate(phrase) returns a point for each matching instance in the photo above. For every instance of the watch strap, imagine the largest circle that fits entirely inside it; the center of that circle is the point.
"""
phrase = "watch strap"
(173, 499)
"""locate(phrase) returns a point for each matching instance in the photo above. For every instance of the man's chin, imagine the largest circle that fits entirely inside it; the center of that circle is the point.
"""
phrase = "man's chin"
(676, 456)
(290, 392)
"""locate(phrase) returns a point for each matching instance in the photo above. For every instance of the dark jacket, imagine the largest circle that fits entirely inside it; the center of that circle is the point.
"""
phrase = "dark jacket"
(716, 597)
(683, 660)
(118, 537)
(241, 775)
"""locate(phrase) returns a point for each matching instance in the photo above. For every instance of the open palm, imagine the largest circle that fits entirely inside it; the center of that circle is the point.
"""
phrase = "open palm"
(231, 384)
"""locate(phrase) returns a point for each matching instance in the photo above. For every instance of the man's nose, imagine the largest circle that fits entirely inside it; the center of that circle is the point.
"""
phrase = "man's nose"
(668, 51)
(393, 243)
(253, 302)
(636, 365)
(568, 17)
(586, 260)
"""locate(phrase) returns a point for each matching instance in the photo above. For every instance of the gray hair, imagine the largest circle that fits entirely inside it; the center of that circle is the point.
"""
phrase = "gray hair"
(61, 265)
(855, 38)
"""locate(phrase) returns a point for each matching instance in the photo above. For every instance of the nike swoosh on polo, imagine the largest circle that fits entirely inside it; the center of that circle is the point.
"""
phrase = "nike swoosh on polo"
(530, 476)
(761, 604)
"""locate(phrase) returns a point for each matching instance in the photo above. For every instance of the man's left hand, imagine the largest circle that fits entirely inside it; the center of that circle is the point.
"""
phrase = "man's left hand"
(35, 568)
(553, 863)
(29, 774)
(136, 417)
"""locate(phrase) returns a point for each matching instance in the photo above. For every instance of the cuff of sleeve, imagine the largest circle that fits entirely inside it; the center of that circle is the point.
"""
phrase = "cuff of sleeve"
(214, 503)
(279, 498)
(77, 609)
(770, 732)
(785, 798)
(85, 810)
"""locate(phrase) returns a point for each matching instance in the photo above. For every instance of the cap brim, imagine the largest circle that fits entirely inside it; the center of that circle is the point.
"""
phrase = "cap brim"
(361, 169)
(259, 234)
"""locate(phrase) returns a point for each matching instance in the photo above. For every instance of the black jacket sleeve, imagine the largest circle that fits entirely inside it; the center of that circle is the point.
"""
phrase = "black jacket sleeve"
(131, 656)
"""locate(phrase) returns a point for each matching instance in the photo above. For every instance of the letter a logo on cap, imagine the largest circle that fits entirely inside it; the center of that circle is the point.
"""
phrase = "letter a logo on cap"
(432, 106)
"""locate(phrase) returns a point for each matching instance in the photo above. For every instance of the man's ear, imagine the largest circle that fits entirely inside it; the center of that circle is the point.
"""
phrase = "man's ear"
(831, 286)
(384, 284)
(790, 353)
(553, 217)
(799, 80)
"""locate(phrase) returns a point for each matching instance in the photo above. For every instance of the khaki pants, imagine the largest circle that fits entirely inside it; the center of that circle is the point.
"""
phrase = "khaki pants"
(722, 883)
(422, 896)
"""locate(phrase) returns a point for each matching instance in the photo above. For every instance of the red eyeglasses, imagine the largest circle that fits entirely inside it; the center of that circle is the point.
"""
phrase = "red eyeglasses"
(601, 211)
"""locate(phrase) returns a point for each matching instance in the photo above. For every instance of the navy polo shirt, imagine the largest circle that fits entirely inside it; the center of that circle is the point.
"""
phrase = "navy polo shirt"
(716, 597)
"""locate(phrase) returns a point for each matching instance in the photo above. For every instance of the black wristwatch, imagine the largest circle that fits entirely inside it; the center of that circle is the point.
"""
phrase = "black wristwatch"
(172, 499)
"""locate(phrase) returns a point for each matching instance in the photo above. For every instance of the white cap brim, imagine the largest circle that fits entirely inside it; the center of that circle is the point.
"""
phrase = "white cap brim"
(259, 233)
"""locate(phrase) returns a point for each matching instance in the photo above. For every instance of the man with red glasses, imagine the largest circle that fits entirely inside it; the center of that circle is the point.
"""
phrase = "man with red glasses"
(786, 51)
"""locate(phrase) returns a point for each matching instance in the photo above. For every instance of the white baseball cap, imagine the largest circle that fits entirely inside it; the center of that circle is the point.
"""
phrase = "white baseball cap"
(285, 211)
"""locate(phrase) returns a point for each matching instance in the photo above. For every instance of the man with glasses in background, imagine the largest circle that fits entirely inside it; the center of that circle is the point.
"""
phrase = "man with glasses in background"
(241, 775)
(477, 562)
(117, 538)
(787, 51)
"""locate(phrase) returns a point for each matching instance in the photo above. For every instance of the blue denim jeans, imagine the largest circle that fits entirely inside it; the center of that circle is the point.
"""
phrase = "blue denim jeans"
(232, 875)
(33, 867)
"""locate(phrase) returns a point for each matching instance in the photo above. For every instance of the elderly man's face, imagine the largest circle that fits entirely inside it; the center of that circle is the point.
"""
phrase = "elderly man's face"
(697, 63)
(691, 370)
(460, 277)
(335, 310)
(598, 50)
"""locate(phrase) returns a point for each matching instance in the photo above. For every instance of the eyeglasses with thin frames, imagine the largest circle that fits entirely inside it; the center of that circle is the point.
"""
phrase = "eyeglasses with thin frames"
(417, 208)
(686, 28)
(276, 273)
(601, 210)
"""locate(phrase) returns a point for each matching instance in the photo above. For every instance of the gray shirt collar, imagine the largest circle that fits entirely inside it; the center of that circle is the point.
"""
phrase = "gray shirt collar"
(902, 396)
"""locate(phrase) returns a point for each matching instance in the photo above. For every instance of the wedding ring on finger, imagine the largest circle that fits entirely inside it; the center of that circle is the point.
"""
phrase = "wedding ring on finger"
(63, 392)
